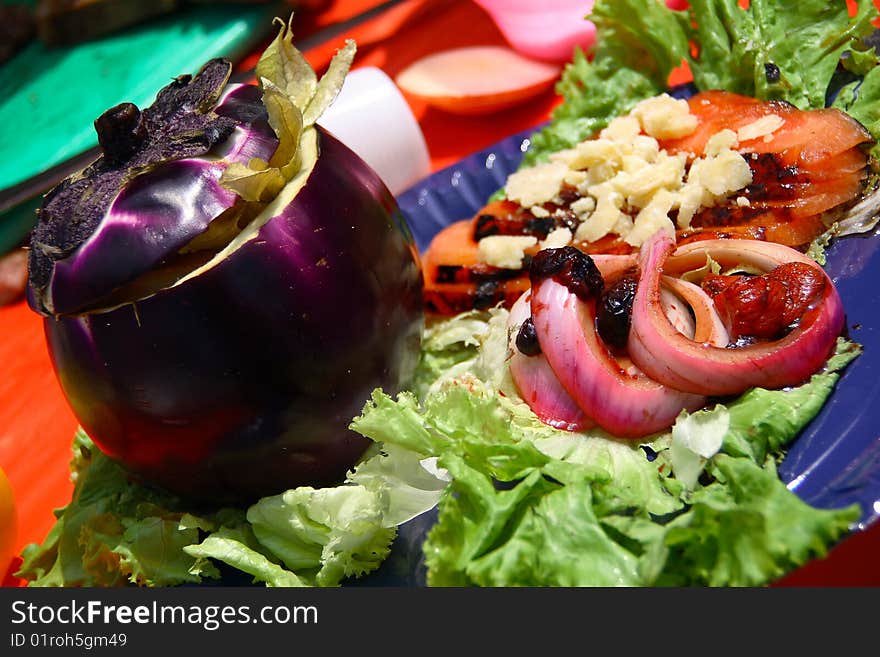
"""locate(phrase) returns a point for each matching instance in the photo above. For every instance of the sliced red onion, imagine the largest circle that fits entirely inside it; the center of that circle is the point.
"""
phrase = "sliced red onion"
(705, 325)
(622, 400)
(612, 265)
(677, 312)
(667, 356)
(536, 382)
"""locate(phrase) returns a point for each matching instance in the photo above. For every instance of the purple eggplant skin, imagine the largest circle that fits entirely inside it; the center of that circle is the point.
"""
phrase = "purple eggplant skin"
(159, 211)
(241, 382)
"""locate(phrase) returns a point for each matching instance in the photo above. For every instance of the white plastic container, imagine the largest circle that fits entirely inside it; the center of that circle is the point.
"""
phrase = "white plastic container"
(371, 116)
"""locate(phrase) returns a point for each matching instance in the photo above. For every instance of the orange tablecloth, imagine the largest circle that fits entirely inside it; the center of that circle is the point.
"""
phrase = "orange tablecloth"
(36, 425)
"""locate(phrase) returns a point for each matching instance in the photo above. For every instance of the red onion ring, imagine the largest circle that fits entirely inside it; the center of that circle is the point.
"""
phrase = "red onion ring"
(624, 402)
(536, 382)
(707, 324)
(669, 357)
(611, 265)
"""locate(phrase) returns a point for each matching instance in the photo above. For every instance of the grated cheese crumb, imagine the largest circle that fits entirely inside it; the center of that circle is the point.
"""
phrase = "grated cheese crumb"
(604, 217)
(539, 211)
(665, 117)
(725, 139)
(628, 185)
(536, 185)
(653, 217)
(505, 251)
(583, 206)
(622, 129)
(556, 238)
(763, 127)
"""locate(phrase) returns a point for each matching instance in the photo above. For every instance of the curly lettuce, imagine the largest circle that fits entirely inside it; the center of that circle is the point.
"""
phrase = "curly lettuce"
(529, 505)
(789, 50)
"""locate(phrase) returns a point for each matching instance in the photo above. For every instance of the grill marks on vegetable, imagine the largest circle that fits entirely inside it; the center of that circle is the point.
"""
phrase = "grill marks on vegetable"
(179, 124)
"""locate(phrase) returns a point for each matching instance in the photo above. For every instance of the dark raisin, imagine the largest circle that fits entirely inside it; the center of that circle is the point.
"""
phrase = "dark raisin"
(546, 264)
(447, 273)
(570, 267)
(614, 311)
(527, 340)
(650, 453)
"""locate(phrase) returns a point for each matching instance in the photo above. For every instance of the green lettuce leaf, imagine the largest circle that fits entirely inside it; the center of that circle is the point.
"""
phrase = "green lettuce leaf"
(641, 42)
(238, 548)
(116, 532)
(763, 422)
(537, 533)
(113, 532)
(324, 534)
(800, 41)
(744, 529)
(861, 100)
(528, 505)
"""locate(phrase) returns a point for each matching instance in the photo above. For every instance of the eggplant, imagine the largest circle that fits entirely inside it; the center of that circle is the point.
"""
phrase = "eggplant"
(215, 336)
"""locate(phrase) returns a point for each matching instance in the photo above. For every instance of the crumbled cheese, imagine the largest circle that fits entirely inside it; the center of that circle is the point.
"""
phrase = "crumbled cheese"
(710, 179)
(624, 225)
(583, 206)
(665, 117)
(665, 174)
(592, 153)
(646, 148)
(603, 218)
(505, 251)
(536, 185)
(575, 178)
(725, 173)
(539, 211)
(622, 129)
(627, 184)
(723, 140)
(653, 217)
(556, 238)
(743, 202)
(691, 198)
(763, 127)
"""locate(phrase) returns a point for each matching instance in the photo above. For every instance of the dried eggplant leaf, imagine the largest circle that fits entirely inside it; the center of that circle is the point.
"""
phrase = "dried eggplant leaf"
(285, 66)
(331, 83)
(287, 122)
(253, 184)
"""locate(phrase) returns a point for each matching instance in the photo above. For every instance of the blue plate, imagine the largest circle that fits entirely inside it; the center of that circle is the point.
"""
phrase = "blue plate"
(833, 463)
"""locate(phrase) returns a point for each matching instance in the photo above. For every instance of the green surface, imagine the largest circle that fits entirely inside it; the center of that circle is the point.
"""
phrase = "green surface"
(50, 97)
